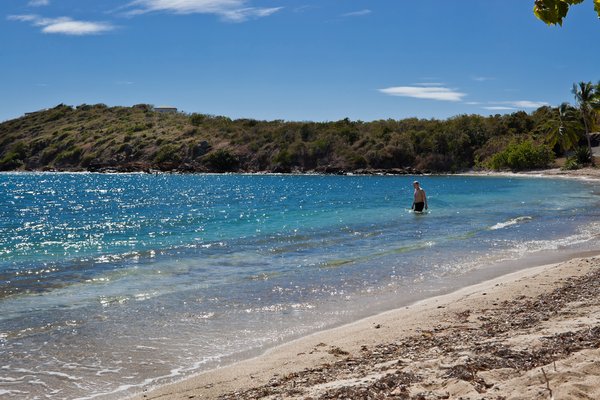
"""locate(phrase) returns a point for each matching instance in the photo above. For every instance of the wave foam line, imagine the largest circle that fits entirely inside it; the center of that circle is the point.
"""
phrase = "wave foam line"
(510, 222)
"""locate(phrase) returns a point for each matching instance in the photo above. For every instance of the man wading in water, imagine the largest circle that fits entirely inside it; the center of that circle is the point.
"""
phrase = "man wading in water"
(420, 198)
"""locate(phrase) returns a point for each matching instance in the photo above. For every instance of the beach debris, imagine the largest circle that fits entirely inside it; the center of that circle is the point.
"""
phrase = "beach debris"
(470, 348)
(548, 384)
(336, 351)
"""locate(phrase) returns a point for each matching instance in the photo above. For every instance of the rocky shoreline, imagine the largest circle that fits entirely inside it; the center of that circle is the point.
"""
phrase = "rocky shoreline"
(198, 169)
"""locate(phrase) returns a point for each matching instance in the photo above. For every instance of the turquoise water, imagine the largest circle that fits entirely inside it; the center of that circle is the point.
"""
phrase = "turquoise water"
(110, 282)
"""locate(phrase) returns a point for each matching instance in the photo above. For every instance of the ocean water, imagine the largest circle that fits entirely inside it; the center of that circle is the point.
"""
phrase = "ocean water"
(113, 283)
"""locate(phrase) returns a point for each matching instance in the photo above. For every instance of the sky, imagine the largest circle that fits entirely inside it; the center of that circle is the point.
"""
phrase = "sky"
(319, 60)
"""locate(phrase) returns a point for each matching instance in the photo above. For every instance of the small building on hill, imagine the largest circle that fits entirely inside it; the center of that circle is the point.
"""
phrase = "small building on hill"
(166, 109)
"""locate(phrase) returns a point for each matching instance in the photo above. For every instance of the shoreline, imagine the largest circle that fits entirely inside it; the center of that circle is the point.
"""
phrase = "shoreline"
(292, 363)
(586, 173)
(317, 364)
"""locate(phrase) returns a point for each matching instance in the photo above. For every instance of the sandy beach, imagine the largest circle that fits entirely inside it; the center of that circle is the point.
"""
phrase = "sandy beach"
(531, 334)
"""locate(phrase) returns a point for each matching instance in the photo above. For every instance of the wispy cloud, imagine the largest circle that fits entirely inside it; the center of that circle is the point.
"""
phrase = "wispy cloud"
(304, 8)
(498, 108)
(513, 105)
(38, 3)
(428, 84)
(64, 25)
(229, 10)
(526, 104)
(425, 92)
(359, 13)
(482, 78)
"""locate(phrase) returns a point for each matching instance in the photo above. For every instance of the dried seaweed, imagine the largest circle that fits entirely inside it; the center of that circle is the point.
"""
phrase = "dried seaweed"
(485, 339)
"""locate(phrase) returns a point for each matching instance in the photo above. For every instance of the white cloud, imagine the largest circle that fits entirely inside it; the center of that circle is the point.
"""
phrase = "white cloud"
(38, 3)
(526, 104)
(482, 78)
(230, 10)
(64, 25)
(428, 84)
(22, 18)
(304, 8)
(419, 92)
(499, 108)
(514, 105)
(359, 13)
(473, 103)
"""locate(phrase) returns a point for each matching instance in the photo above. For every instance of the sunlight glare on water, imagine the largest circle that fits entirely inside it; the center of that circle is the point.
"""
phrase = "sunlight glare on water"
(111, 282)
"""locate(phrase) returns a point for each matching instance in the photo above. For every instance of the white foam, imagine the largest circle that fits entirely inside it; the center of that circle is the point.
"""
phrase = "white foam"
(510, 222)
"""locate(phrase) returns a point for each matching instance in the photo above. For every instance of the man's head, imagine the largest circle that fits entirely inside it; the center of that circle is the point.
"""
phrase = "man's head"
(416, 184)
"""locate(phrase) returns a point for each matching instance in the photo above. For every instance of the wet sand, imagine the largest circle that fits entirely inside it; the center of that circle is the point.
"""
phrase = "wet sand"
(531, 334)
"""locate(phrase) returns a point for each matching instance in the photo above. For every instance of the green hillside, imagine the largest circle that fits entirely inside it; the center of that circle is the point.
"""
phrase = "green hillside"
(97, 137)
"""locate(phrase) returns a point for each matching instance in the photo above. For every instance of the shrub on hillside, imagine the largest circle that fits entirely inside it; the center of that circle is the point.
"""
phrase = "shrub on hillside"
(197, 119)
(58, 112)
(167, 153)
(69, 157)
(522, 156)
(13, 159)
(221, 161)
(284, 158)
(48, 154)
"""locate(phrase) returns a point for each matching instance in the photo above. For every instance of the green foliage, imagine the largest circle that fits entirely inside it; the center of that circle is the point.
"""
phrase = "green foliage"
(522, 156)
(132, 138)
(553, 12)
(87, 160)
(561, 126)
(221, 161)
(197, 119)
(143, 107)
(357, 161)
(137, 128)
(70, 157)
(284, 158)
(13, 159)
(48, 155)
(167, 153)
(58, 112)
(571, 164)
(587, 96)
(320, 147)
(583, 155)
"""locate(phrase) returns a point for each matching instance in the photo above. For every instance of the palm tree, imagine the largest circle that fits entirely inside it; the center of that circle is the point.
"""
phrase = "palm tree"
(562, 126)
(587, 97)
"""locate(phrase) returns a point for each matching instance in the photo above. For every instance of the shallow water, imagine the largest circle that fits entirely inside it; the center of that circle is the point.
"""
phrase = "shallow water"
(110, 282)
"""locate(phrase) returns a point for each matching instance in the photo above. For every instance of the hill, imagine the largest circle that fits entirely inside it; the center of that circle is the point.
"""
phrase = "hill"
(100, 138)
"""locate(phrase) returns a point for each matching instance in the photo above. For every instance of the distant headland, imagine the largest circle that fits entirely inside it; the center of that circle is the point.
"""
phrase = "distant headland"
(143, 138)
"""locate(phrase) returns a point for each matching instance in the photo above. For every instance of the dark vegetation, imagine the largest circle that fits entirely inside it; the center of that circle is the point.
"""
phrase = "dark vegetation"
(553, 12)
(97, 138)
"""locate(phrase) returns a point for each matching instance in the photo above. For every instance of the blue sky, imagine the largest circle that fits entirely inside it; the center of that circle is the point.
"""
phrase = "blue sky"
(293, 59)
